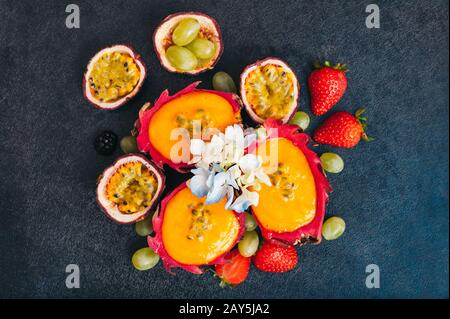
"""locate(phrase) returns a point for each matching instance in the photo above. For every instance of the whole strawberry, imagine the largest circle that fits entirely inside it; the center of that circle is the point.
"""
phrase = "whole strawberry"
(235, 271)
(342, 129)
(273, 257)
(327, 85)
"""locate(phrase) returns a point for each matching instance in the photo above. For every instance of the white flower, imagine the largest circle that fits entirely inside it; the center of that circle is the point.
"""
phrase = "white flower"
(251, 166)
(244, 201)
(223, 169)
(218, 189)
(197, 148)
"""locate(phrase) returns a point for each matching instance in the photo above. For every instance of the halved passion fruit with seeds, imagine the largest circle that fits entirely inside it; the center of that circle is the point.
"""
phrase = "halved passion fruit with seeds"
(191, 111)
(188, 42)
(293, 208)
(269, 89)
(128, 189)
(190, 233)
(113, 76)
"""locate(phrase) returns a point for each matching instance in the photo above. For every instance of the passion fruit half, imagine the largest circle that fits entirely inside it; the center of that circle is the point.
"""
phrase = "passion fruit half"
(190, 233)
(129, 189)
(293, 208)
(188, 42)
(113, 76)
(189, 109)
(269, 89)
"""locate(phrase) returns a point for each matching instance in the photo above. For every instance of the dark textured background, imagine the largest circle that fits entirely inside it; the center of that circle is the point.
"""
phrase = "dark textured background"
(393, 193)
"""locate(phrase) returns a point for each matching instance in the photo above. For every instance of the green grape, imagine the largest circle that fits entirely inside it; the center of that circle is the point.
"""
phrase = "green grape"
(332, 162)
(300, 119)
(250, 222)
(249, 244)
(181, 58)
(223, 82)
(202, 48)
(144, 259)
(128, 144)
(333, 228)
(144, 227)
(186, 31)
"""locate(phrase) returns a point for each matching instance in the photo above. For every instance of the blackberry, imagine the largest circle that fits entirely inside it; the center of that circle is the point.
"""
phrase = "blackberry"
(105, 143)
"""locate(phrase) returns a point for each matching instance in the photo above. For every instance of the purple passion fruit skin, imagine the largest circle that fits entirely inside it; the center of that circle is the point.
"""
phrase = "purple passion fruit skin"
(113, 76)
(191, 64)
(269, 89)
(129, 189)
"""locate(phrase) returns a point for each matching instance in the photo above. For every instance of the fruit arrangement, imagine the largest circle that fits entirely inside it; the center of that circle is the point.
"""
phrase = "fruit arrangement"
(253, 192)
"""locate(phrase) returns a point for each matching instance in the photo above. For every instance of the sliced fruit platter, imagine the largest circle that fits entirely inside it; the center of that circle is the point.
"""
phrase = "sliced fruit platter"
(253, 191)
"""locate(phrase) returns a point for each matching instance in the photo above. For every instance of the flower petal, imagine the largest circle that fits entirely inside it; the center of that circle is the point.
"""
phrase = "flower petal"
(200, 171)
(249, 163)
(230, 196)
(240, 205)
(210, 180)
(197, 185)
(195, 159)
(197, 146)
(218, 189)
(253, 197)
(263, 177)
(249, 139)
(248, 179)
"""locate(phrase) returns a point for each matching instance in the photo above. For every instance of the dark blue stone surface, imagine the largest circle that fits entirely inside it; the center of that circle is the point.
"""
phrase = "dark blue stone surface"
(393, 192)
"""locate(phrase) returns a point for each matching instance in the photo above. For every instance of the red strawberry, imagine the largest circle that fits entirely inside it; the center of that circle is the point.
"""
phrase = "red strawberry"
(273, 257)
(235, 271)
(327, 85)
(342, 129)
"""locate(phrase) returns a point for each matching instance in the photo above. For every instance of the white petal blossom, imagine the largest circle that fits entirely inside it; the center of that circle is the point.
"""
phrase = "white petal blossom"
(223, 169)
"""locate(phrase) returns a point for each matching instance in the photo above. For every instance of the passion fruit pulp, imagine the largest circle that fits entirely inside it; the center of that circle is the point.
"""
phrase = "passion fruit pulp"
(188, 108)
(190, 233)
(269, 89)
(113, 76)
(188, 42)
(128, 189)
(293, 208)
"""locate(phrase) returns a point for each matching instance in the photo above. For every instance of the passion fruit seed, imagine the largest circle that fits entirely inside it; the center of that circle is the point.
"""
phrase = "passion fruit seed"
(191, 123)
(144, 227)
(332, 162)
(333, 228)
(202, 48)
(300, 119)
(128, 144)
(283, 180)
(200, 221)
(113, 76)
(250, 222)
(181, 58)
(270, 91)
(186, 31)
(144, 259)
(249, 244)
(132, 187)
(222, 81)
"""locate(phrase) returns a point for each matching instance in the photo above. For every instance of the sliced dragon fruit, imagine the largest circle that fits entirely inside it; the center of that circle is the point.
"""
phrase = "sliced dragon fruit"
(293, 208)
(190, 234)
(156, 124)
